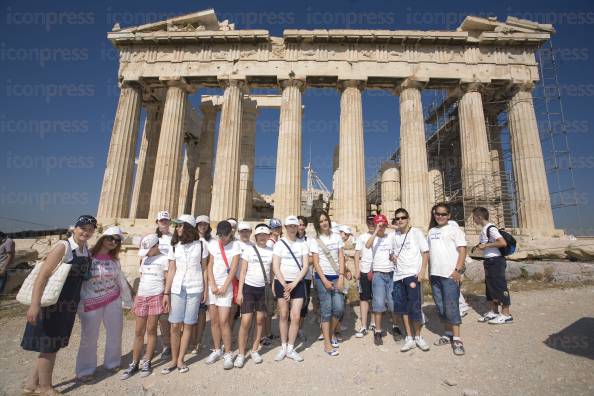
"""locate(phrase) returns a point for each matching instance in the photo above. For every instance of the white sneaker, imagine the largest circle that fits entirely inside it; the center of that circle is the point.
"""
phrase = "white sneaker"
(256, 357)
(228, 361)
(409, 343)
(362, 332)
(488, 316)
(239, 361)
(292, 354)
(372, 326)
(281, 354)
(420, 341)
(214, 356)
(501, 319)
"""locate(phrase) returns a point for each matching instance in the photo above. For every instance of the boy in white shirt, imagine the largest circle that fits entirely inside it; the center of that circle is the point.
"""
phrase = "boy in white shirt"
(495, 283)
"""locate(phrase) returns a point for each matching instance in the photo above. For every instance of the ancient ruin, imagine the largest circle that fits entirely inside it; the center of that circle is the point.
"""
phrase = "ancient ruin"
(484, 61)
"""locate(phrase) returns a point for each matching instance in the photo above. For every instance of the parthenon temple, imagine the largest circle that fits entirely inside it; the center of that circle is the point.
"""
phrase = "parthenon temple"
(486, 70)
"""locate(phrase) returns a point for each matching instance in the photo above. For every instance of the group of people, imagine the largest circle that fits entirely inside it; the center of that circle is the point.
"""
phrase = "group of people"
(245, 275)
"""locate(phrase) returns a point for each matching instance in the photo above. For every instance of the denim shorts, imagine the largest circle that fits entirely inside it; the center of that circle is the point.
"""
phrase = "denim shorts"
(184, 307)
(331, 301)
(446, 294)
(408, 299)
(381, 288)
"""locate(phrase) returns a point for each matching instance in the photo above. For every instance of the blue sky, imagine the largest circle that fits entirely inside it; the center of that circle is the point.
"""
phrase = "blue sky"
(59, 92)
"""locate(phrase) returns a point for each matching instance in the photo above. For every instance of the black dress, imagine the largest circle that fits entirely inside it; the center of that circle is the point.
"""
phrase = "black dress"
(54, 325)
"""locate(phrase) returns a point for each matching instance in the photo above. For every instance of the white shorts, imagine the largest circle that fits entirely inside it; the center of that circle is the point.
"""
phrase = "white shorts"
(224, 300)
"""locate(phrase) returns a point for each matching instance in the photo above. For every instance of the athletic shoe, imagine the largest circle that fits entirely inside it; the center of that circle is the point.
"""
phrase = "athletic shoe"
(292, 354)
(256, 357)
(228, 361)
(333, 352)
(281, 354)
(443, 340)
(265, 341)
(145, 368)
(372, 326)
(501, 319)
(214, 356)
(196, 350)
(488, 316)
(239, 361)
(458, 347)
(130, 371)
(334, 342)
(377, 338)
(397, 333)
(421, 343)
(321, 337)
(409, 343)
(362, 332)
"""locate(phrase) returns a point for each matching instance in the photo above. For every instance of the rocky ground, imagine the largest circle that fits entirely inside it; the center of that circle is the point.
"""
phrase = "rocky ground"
(548, 350)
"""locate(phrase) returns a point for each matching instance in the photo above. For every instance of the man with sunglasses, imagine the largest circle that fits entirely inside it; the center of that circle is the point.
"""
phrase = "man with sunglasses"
(447, 251)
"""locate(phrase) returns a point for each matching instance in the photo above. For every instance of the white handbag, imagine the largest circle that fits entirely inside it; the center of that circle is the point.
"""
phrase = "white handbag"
(54, 285)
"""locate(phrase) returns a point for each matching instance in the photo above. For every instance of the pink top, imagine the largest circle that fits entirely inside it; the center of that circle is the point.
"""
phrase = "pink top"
(104, 285)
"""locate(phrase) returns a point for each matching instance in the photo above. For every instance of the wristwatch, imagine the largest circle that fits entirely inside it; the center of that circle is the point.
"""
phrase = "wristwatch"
(461, 270)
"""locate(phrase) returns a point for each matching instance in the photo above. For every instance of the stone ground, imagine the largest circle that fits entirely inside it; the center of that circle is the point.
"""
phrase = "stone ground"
(548, 350)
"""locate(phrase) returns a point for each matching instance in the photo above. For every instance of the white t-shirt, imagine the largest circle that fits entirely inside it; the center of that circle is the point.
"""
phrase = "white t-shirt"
(219, 268)
(443, 252)
(366, 255)
(381, 250)
(288, 266)
(188, 267)
(242, 247)
(165, 244)
(152, 275)
(254, 276)
(270, 243)
(494, 234)
(334, 243)
(410, 260)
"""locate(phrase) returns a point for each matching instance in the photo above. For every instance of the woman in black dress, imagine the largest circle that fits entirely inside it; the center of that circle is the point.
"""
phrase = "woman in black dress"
(48, 329)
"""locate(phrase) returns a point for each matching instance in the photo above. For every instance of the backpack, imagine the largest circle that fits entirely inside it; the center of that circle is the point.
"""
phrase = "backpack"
(512, 244)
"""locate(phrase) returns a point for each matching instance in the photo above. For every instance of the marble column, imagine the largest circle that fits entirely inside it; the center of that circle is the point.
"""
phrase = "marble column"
(535, 215)
(116, 191)
(497, 167)
(390, 189)
(414, 174)
(165, 194)
(188, 176)
(225, 189)
(287, 189)
(203, 185)
(435, 187)
(246, 167)
(477, 177)
(352, 192)
(145, 167)
(334, 208)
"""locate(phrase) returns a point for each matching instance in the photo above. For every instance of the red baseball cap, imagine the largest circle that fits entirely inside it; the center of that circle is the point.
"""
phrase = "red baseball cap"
(380, 218)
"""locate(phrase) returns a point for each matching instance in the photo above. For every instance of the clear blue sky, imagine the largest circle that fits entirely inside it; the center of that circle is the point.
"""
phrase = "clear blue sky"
(59, 91)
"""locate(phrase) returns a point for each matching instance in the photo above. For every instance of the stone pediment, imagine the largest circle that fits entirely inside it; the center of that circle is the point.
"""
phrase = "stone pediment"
(205, 20)
(511, 25)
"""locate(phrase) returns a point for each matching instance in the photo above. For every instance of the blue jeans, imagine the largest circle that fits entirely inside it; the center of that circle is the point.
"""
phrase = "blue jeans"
(331, 301)
(382, 286)
(446, 293)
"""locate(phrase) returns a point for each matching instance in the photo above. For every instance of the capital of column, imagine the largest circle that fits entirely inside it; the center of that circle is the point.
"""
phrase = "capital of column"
(130, 84)
(410, 83)
(521, 86)
(234, 82)
(293, 82)
(344, 84)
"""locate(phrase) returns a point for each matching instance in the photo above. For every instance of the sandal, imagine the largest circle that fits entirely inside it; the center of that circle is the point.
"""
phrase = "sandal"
(458, 347)
(30, 392)
(443, 340)
(183, 369)
(167, 370)
(333, 352)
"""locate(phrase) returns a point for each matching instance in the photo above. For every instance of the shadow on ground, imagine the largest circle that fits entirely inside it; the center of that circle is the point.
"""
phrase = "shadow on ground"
(575, 339)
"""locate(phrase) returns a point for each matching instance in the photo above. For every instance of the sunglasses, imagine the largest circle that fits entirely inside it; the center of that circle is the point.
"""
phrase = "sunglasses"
(112, 238)
(401, 218)
(441, 214)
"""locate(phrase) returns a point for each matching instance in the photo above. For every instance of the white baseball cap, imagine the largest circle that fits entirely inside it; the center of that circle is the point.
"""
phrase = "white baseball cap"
(232, 222)
(291, 220)
(202, 219)
(146, 243)
(186, 218)
(163, 215)
(262, 230)
(243, 226)
(114, 231)
(345, 229)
